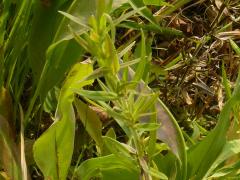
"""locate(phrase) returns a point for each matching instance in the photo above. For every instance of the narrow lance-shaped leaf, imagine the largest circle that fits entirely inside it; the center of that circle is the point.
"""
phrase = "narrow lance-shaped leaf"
(156, 2)
(146, 13)
(140, 72)
(169, 131)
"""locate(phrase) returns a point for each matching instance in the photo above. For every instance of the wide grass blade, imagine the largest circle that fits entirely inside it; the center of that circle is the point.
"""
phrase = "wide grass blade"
(53, 150)
(230, 149)
(202, 156)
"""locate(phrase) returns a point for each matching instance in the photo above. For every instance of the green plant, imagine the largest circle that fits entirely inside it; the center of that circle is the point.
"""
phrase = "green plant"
(88, 103)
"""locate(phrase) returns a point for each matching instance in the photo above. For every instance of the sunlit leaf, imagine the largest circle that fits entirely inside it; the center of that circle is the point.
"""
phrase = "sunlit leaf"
(92, 167)
(155, 2)
(230, 149)
(53, 149)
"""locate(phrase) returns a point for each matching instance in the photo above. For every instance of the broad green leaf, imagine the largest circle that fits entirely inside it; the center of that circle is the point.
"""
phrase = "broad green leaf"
(53, 149)
(59, 54)
(118, 148)
(45, 152)
(59, 60)
(44, 26)
(90, 121)
(229, 172)
(111, 163)
(157, 174)
(202, 156)
(230, 149)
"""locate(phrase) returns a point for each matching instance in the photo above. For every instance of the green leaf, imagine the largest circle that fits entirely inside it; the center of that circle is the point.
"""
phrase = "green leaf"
(111, 133)
(119, 149)
(147, 127)
(225, 82)
(229, 172)
(230, 149)
(54, 148)
(156, 2)
(90, 168)
(111, 53)
(120, 174)
(61, 53)
(143, 104)
(50, 102)
(235, 47)
(44, 24)
(141, 70)
(153, 28)
(91, 122)
(203, 155)
(96, 95)
(157, 174)
(120, 118)
(167, 164)
(169, 132)
(146, 13)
